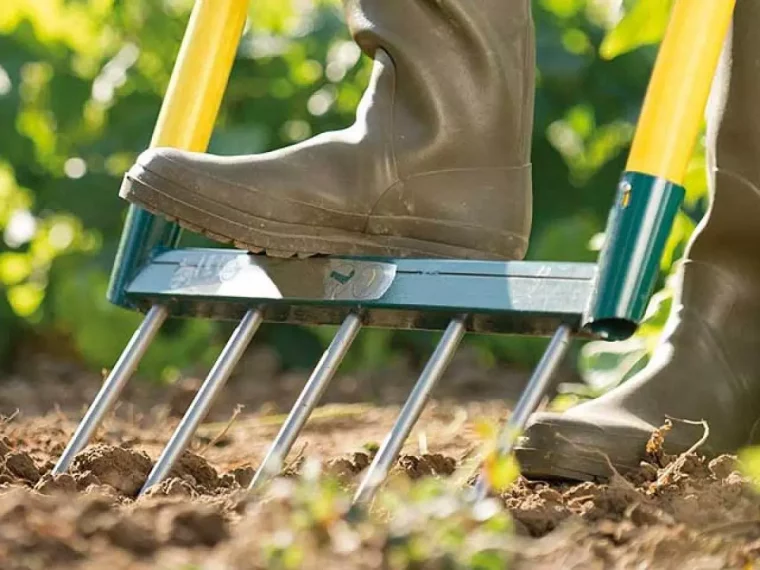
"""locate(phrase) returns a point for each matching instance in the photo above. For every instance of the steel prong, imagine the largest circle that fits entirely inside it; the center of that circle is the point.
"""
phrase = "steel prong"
(410, 413)
(529, 400)
(200, 405)
(307, 401)
(113, 385)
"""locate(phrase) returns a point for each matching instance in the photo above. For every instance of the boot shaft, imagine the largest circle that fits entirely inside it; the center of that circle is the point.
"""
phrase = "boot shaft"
(463, 70)
(716, 312)
(733, 143)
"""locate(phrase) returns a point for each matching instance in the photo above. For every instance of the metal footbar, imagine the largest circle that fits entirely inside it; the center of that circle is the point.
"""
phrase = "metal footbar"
(605, 300)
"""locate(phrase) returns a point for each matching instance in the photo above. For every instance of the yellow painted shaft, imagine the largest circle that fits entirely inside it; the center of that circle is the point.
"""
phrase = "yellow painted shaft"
(678, 90)
(200, 75)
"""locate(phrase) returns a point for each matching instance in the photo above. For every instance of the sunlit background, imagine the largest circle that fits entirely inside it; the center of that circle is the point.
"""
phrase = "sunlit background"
(80, 88)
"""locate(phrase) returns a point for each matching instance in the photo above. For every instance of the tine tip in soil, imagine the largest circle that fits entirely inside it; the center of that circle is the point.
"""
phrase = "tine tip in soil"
(410, 413)
(113, 385)
(529, 400)
(307, 400)
(200, 405)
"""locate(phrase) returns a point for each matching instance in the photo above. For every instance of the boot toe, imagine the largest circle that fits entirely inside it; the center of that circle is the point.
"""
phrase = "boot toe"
(581, 447)
(153, 158)
(173, 166)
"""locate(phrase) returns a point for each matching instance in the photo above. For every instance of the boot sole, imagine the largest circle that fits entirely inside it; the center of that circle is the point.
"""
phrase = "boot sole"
(277, 239)
(581, 452)
(547, 455)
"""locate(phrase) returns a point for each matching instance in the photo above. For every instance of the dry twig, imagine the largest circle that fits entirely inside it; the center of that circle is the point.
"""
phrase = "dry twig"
(223, 432)
(5, 420)
(292, 464)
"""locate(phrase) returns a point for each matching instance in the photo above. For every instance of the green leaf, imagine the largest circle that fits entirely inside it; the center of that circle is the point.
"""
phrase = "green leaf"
(488, 560)
(563, 8)
(501, 471)
(695, 180)
(644, 24)
(683, 227)
(25, 298)
(749, 464)
(14, 267)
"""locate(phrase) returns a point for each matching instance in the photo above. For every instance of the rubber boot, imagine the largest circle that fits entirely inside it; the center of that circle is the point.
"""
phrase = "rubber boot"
(436, 164)
(707, 365)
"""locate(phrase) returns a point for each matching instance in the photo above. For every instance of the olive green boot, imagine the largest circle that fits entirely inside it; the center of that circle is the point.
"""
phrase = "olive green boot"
(436, 164)
(707, 365)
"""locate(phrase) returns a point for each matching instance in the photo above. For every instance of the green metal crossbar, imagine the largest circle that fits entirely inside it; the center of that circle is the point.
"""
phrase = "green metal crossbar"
(514, 297)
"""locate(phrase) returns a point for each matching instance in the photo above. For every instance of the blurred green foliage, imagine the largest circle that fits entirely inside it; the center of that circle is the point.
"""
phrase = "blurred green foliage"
(427, 523)
(80, 88)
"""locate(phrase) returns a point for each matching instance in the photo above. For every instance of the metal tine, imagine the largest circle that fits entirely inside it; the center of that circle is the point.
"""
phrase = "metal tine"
(113, 385)
(529, 400)
(411, 411)
(200, 405)
(307, 400)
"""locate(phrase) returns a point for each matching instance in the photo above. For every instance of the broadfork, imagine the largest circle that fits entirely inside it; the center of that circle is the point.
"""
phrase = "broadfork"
(604, 300)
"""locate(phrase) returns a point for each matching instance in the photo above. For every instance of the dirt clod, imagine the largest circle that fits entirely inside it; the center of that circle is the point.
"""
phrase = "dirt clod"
(95, 514)
(84, 480)
(172, 487)
(703, 515)
(722, 466)
(196, 472)
(131, 535)
(427, 465)
(63, 483)
(123, 469)
(32, 536)
(538, 513)
(197, 525)
(647, 472)
(346, 468)
(243, 475)
(22, 466)
(341, 468)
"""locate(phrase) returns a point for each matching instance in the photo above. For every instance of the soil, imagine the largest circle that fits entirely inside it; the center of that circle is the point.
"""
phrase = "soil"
(699, 514)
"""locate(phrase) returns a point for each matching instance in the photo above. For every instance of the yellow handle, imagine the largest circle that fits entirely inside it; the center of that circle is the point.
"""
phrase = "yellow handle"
(200, 75)
(679, 88)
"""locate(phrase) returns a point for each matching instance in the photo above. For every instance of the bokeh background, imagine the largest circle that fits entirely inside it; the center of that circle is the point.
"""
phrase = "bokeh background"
(81, 83)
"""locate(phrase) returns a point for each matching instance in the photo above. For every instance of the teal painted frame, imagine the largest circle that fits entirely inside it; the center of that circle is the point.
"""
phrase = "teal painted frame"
(516, 297)
(144, 235)
(615, 293)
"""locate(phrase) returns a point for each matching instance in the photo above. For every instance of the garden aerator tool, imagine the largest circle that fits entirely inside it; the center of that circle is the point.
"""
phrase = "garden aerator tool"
(537, 298)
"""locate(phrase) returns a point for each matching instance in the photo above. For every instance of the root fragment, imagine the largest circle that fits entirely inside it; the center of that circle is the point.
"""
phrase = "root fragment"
(666, 475)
